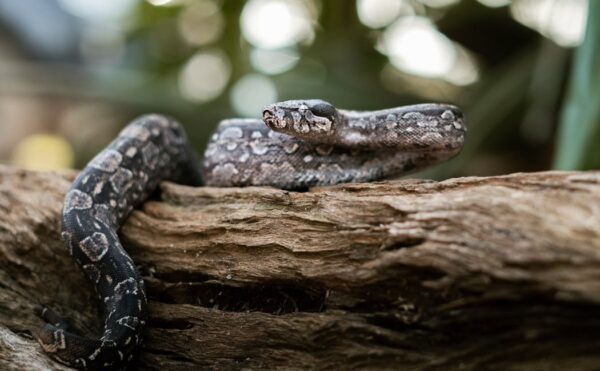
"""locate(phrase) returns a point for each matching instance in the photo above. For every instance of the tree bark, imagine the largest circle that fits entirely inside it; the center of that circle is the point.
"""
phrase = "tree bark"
(498, 273)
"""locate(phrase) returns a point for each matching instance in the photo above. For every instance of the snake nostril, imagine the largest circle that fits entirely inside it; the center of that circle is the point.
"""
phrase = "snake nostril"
(267, 117)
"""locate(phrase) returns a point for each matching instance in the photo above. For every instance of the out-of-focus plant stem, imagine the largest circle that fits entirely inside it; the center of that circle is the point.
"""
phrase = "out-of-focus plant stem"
(578, 141)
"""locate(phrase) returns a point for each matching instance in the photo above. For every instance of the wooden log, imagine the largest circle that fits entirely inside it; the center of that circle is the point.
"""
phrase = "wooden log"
(469, 273)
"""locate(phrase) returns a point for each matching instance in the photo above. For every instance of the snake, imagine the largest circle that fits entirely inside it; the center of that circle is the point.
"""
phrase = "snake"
(298, 144)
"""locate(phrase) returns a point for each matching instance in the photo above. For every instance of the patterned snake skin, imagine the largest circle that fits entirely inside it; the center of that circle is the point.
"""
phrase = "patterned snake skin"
(304, 143)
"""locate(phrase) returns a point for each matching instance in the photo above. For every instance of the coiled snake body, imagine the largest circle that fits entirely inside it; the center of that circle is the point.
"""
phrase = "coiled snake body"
(304, 143)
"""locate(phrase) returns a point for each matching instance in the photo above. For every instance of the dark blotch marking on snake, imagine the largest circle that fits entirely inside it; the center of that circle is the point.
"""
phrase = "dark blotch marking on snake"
(304, 143)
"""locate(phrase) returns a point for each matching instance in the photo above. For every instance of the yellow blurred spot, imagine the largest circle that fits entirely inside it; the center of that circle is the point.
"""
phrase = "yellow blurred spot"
(43, 152)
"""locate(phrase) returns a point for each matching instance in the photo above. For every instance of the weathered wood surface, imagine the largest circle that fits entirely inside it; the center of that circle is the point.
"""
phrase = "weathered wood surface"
(473, 273)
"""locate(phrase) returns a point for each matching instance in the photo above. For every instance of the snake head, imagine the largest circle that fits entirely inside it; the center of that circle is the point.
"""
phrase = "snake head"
(301, 118)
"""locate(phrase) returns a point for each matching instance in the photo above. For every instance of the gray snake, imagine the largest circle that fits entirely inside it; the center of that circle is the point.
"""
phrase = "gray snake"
(304, 143)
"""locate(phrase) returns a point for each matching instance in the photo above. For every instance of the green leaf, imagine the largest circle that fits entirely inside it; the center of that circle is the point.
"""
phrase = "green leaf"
(578, 142)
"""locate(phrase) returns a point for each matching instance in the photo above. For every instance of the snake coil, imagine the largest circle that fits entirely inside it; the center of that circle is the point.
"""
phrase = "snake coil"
(304, 143)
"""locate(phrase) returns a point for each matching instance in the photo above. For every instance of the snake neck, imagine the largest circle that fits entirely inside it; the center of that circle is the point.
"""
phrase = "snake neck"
(422, 128)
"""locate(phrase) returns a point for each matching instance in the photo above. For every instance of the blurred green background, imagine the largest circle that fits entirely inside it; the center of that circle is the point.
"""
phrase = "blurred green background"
(525, 72)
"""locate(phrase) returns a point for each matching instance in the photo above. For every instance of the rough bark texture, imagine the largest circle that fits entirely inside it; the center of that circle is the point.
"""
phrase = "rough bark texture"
(472, 273)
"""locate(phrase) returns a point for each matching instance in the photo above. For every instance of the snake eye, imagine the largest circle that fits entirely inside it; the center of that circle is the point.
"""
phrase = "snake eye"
(323, 110)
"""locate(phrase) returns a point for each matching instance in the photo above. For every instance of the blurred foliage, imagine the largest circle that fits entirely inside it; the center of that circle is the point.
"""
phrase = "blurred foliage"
(511, 111)
(579, 135)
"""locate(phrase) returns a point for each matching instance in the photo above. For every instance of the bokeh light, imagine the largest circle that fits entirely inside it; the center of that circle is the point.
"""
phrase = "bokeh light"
(273, 62)
(560, 20)
(464, 71)
(380, 13)
(99, 9)
(43, 152)
(201, 22)
(415, 46)
(273, 24)
(168, 2)
(251, 93)
(495, 3)
(204, 76)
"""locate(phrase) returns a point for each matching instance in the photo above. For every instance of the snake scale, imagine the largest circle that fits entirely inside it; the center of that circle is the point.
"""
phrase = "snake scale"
(304, 143)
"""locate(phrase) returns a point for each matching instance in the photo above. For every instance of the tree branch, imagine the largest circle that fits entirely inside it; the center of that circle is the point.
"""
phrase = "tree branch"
(470, 273)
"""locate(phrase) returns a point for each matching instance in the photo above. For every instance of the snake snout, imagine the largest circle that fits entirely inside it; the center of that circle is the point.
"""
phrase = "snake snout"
(268, 117)
(272, 120)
